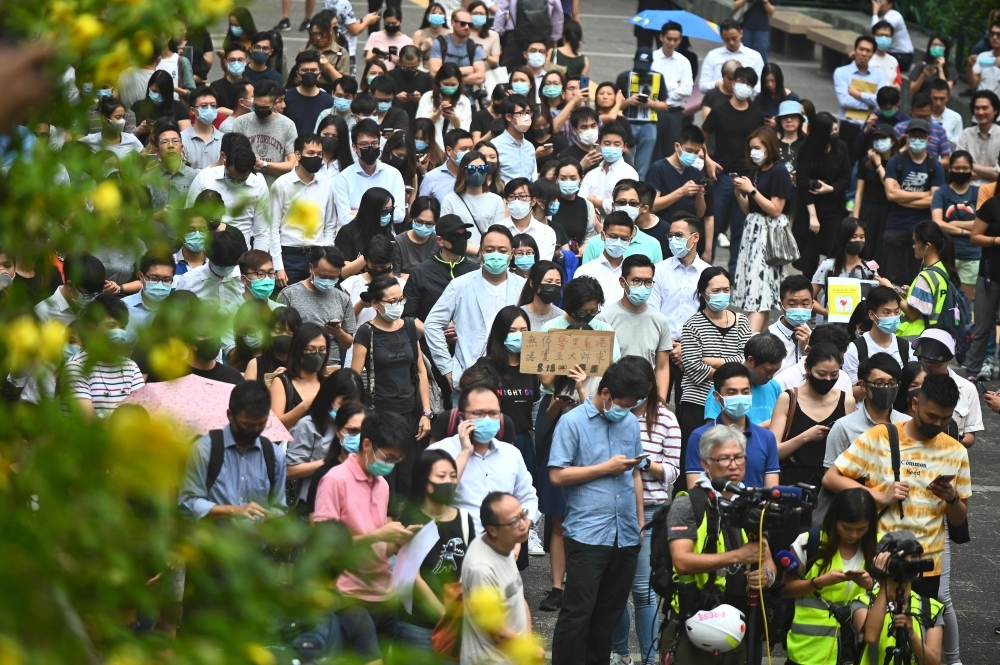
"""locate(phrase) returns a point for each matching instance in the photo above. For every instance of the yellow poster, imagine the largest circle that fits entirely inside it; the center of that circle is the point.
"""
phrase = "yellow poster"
(843, 296)
(863, 86)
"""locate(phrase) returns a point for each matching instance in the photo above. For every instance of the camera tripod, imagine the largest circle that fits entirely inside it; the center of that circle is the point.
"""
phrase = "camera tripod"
(900, 653)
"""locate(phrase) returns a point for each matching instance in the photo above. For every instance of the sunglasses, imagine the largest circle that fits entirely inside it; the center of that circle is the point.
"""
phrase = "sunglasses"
(464, 24)
(482, 168)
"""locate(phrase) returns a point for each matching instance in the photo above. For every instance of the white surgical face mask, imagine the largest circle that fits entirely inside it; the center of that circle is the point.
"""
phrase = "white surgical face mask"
(742, 91)
(587, 137)
(758, 156)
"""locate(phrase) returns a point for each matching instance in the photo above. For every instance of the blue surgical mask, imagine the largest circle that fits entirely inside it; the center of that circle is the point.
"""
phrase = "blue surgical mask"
(518, 209)
(796, 316)
(478, 20)
(917, 146)
(553, 208)
(882, 145)
(615, 247)
(236, 68)
(551, 91)
(513, 342)
(883, 42)
(236, 30)
(888, 324)
(638, 295)
(524, 262)
(421, 146)
(157, 291)
(254, 340)
(423, 230)
(495, 263)
(323, 285)
(220, 271)
(687, 158)
(116, 335)
(341, 105)
(679, 247)
(383, 107)
(393, 312)
(449, 90)
(333, 413)
(718, 301)
(616, 413)
(460, 155)
(610, 154)
(385, 218)
(104, 92)
(70, 350)
(351, 442)
(208, 114)
(520, 87)
(437, 20)
(737, 406)
(379, 468)
(195, 241)
(569, 187)
(486, 430)
(155, 97)
(536, 60)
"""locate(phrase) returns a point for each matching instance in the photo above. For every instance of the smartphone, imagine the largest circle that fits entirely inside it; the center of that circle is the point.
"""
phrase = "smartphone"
(853, 574)
(943, 479)
(700, 182)
(565, 398)
(584, 83)
(393, 50)
(187, 52)
(814, 184)
(408, 189)
(333, 323)
(546, 145)
(982, 388)
(639, 458)
(642, 98)
(387, 132)
(734, 175)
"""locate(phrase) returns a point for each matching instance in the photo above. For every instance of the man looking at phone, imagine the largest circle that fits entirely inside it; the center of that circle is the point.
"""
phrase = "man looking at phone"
(680, 186)
(389, 118)
(585, 123)
(596, 456)
(411, 82)
(644, 97)
(933, 475)
(318, 299)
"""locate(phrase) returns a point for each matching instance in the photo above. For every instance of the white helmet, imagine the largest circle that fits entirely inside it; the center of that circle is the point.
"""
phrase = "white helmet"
(718, 630)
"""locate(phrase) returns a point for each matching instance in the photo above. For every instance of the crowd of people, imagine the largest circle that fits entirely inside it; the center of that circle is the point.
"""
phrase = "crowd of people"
(373, 232)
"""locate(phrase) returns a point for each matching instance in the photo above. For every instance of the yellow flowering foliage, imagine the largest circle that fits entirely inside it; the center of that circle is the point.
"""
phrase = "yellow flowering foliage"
(10, 651)
(485, 606)
(525, 650)
(86, 28)
(107, 199)
(169, 359)
(145, 450)
(27, 342)
(304, 215)
(259, 655)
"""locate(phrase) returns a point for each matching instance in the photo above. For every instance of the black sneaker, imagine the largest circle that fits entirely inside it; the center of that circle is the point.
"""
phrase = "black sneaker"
(551, 602)
(304, 26)
(283, 25)
(995, 630)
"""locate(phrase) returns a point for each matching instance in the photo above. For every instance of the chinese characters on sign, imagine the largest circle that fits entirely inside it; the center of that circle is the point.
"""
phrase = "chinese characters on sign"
(557, 351)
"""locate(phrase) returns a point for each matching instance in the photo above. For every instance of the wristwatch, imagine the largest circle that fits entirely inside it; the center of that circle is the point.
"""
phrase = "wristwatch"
(955, 500)
(646, 463)
(427, 414)
(263, 167)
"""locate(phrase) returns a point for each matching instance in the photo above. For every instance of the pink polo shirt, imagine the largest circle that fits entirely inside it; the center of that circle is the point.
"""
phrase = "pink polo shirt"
(348, 495)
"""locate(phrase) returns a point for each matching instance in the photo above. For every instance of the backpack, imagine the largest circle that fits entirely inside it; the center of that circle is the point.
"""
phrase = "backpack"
(446, 638)
(862, 348)
(955, 316)
(661, 563)
(470, 50)
(533, 23)
(217, 456)
(930, 163)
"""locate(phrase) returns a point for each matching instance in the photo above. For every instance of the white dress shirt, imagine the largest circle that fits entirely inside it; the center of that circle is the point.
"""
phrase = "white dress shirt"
(601, 270)
(901, 42)
(711, 66)
(787, 336)
(204, 283)
(55, 308)
(247, 205)
(968, 413)
(952, 123)
(601, 183)
(289, 188)
(544, 235)
(677, 76)
(675, 291)
(352, 183)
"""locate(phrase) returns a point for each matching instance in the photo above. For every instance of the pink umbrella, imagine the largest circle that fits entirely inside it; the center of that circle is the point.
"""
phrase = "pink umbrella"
(197, 405)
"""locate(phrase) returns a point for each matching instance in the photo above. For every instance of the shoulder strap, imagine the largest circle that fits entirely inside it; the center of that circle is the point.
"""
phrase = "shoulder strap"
(904, 350)
(699, 502)
(464, 516)
(793, 402)
(215, 458)
(270, 463)
(482, 231)
(470, 49)
(812, 546)
(443, 43)
(893, 434)
(453, 422)
(411, 332)
(862, 348)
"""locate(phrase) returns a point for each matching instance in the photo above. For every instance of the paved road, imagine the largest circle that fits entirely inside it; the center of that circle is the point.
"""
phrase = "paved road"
(609, 42)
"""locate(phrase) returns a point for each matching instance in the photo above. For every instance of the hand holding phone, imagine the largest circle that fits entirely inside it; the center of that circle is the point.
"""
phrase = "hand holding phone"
(943, 480)
(333, 324)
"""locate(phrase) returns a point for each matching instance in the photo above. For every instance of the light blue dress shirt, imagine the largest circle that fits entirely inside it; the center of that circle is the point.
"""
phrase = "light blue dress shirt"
(438, 183)
(601, 511)
(516, 161)
(842, 82)
(139, 316)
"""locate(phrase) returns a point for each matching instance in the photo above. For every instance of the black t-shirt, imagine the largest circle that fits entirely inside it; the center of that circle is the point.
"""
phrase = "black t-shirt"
(517, 394)
(714, 97)
(659, 231)
(304, 111)
(577, 153)
(396, 118)
(481, 121)
(254, 76)
(665, 177)
(572, 216)
(421, 82)
(393, 377)
(874, 191)
(773, 182)
(201, 43)
(443, 564)
(558, 145)
(439, 428)
(221, 89)
(220, 372)
(990, 213)
(731, 129)
(144, 109)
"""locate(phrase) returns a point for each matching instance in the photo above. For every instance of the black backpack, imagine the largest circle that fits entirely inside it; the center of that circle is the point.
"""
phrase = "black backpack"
(533, 23)
(661, 575)
(470, 50)
(218, 453)
(955, 316)
(901, 345)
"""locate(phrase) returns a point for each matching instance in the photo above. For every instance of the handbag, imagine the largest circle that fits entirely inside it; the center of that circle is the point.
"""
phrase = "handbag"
(493, 78)
(553, 66)
(446, 638)
(781, 248)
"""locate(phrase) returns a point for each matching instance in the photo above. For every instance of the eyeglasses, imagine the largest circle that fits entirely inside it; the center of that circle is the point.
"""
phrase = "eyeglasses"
(461, 235)
(476, 415)
(729, 460)
(640, 282)
(395, 460)
(169, 142)
(388, 211)
(882, 384)
(398, 301)
(261, 274)
(316, 34)
(587, 313)
(308, 71)
(520, 197)
(521, 114)
(263, 109)
(152, 279)
(514, 523)
(363, 146)
(624, 202)
(472, 169)
(524, 252)
(260, 49)
(410, 70)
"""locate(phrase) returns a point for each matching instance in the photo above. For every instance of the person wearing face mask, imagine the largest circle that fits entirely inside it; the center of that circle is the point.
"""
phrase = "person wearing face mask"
(924, 505)
(411, 82)
(643, 102)
(350, 185)
(924, 303)
(870, 203)
(434, 25)
(258, 276)
(319, 301)
(388, 116)
(356, 494)
(576, 215)
(217, 281)
(435, 482)
(471, 302)
(520, 202)
(883, 306)
(935, 348)
(234, 63)
(477, 207)
(346, 414)
(378, 257)
(447, 107)
(337, 156)
(156, 273)
(293, 391)
(599, 184)
(271, 134)
(85, 278)
(953, 208)
(112, 135)
(205, 346)
(584, 123)
(279, 326)
(257, 68)
(515, 153)
(98, 385)
(542, 287)
(170, 179)
(202, 141)
(263, 492)
(440, 182)
(882, 32)
(412, 248)
(679, 185)
(303, 185)
(305, 102)
(388, 43)
(792, 327)
(618, 232)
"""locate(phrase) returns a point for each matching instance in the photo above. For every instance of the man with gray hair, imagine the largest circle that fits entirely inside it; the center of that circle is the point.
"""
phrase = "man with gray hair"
(701, 546)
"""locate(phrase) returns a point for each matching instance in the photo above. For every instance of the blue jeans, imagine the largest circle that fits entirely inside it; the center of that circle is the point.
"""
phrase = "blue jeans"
(729, 216)
(758, 40)
(417, 636)
(296, 266)
(647, 620)
(645, 144)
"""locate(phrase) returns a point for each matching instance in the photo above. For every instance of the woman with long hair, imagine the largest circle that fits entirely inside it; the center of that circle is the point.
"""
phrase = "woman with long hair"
(772, 91)
(281, 325)
(483, 35)
(935, 66)
(159, 103)
(241, 30)
(430, 154)
(953, 208)
(374, 218)
(337, 155)
(380, 42)
(542, 287)
(447, 106)
(569, 54)
(293, 391)
(576, 215)
(250, 328)
(922, 305)
(346, 440)
(373, 68)
(325, 39)
(418, 244)
(845, 261)
(494, 184)
(313, 435)
(762, 198)
(401, 154)
(557, 104)
(432, 492)
(522, 82)
(910, 383)
(822, 176)
(433, 25)
(471, 201)
(833, 561)
(548, 141)
(871, 205)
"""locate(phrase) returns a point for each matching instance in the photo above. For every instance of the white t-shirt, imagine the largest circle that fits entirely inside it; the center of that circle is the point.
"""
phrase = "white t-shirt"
(856, 562)
(968, 414)
(851, 356)
(889, 66)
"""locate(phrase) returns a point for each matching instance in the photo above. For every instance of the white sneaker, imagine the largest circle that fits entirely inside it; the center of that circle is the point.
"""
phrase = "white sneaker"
(535, 545)
(723, 240)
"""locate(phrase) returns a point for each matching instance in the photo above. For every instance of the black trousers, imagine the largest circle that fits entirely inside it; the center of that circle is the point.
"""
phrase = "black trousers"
(690, 417)
(598, 581)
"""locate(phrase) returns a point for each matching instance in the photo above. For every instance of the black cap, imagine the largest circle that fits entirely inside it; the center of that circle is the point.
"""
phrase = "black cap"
(884, 129)
(643, 59)
(918, 124)
(448, 224)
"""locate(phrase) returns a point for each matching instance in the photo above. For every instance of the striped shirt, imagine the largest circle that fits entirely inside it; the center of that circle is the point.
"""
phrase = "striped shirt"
(703, 339)
(664, 447)
(106, 385)
(920, 462)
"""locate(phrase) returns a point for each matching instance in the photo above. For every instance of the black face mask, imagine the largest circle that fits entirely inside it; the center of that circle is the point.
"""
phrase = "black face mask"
(330, 144)
(376, 273)
(822, 386)
(834, 138)
(262, 113)
(912, 395)
(458, 245)
(928, 430)
(854, 247)
(491, 168)
(207, 349)
(369, 155)
(397, 162)
(882, 398)
(443, 493)
(309, 79)
(311, 164)
(280, 344)
(244, 436)
(409, 72)
(549, 293)
(312, 362)
(960, 178)
(584, 318)
(392, 29)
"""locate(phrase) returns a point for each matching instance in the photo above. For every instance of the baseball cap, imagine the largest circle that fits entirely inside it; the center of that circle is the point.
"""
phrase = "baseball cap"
(643, 59)
(884, 129)
(449, 224)
(918, 124)
(934, 344)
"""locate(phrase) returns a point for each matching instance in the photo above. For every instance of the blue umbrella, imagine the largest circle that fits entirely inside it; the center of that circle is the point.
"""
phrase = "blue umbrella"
(693, 25)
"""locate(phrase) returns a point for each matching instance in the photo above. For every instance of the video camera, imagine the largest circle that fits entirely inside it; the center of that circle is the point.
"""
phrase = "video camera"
(777, 505)
(900, 545)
